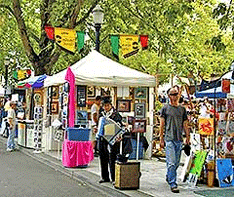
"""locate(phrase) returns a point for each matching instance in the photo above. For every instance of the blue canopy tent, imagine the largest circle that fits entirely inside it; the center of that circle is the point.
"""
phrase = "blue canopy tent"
(216, 90)
(33, 82)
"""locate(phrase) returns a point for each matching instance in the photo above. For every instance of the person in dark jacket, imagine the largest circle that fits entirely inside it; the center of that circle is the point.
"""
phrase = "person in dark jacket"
(108, 156)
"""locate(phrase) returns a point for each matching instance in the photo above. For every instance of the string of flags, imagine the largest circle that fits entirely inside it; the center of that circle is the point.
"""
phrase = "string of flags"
(67, 38)
(128, 44)
(22, 74)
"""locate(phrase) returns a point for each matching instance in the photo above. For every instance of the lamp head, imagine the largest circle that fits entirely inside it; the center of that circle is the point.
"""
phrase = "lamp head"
(7, 61)
(98, 15)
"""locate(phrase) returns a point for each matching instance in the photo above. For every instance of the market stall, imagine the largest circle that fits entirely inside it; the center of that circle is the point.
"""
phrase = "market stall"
(212, 142)
(26, 115)
(132, 91)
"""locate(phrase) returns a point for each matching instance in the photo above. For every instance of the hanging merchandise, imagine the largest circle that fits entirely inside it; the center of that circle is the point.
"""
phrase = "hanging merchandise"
(66, 38)
(225, 172)
(206, 126)
(226, 85)
(37, 129)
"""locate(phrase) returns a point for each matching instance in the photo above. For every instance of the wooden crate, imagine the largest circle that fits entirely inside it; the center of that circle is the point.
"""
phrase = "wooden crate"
(127, 176)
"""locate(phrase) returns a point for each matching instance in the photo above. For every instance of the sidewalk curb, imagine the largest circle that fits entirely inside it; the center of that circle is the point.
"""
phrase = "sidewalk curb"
(83, 176)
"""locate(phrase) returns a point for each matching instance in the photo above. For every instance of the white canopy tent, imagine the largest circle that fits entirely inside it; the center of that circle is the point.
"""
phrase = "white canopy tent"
(98, 70)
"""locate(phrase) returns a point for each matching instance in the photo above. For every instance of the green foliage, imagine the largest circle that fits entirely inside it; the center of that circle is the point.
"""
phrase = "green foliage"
(184, 36)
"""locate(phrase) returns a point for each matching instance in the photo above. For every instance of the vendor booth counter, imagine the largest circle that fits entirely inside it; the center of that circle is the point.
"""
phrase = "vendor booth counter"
(77, 150)
(25, 133)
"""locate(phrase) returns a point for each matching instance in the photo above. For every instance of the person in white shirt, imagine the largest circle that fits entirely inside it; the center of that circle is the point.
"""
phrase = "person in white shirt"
(94, 117)
(12, 124)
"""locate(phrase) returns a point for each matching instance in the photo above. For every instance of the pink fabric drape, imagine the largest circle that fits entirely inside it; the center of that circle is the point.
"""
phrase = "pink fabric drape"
(70, 78)
(77, 153)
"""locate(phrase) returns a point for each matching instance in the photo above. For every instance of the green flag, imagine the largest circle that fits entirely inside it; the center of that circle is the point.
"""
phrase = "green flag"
(80, 40)
(115, 45)
(15, 74)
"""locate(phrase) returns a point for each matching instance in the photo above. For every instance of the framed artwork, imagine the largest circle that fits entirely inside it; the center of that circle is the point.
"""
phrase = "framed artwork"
(139, 110)
(221, 105)
(140, 93)
(54, 107)
(139, 126)
(230, 105)
(81, 96)
(66, 87)
(91, 91)
(105, 91)
(225, 172)
(124, 105)
(130, 120)
(55, 92)
(206, 126)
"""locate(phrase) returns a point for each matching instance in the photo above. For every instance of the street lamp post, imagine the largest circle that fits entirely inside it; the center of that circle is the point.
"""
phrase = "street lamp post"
(6, 62)
(98, 16)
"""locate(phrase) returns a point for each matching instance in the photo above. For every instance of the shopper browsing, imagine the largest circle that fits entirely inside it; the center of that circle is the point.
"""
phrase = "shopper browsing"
(12, 123)
(174, 120)
(94, 117)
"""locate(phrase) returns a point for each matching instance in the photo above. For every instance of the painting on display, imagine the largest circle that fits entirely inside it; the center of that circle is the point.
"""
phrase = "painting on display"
(124, 105)
(206, 126)
(230, 105)
(55, 92)
(139, 126)
(140, 110)
(105, 91)
(225, 172)
(91, 91)
(81, 96)
(54, 107)
(221, 105)
(140, 93)
(222, 127)
(196, 167)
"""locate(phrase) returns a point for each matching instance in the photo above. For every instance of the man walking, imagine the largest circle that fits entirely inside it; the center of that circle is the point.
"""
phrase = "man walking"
(174, 119)
(12, 123)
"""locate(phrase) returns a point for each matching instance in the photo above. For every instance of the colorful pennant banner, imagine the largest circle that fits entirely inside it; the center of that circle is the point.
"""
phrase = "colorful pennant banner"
(65, 38)
(22, 74)
(129, 44)
(49, 32)
(80, 40)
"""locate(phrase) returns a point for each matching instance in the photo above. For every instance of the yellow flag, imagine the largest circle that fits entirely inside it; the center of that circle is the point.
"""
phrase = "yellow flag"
(22, 74)
(65, 38)
(129, 45)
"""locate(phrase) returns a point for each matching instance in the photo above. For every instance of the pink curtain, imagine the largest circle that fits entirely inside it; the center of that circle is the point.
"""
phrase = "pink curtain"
(77, 153)
(70, 78)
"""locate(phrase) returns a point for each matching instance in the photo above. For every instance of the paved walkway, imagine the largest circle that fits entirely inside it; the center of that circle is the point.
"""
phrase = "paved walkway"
(152, 181)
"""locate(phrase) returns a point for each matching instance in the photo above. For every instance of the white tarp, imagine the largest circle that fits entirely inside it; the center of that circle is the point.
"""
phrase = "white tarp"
(98, 70)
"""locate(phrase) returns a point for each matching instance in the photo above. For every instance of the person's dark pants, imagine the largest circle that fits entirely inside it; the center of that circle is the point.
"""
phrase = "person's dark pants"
(106, 157)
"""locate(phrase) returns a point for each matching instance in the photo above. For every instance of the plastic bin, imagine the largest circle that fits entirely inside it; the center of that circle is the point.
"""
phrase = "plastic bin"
(78, 134)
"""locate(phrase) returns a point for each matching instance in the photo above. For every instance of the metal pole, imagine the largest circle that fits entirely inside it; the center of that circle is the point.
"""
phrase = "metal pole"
(97, 33)
(6, 80)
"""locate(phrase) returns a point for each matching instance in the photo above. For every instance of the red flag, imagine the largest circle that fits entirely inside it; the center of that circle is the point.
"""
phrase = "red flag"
(49, 32)
(144, 41)
(226, 85)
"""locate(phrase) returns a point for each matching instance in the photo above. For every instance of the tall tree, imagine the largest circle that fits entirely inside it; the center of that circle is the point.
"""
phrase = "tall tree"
(31, 17)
